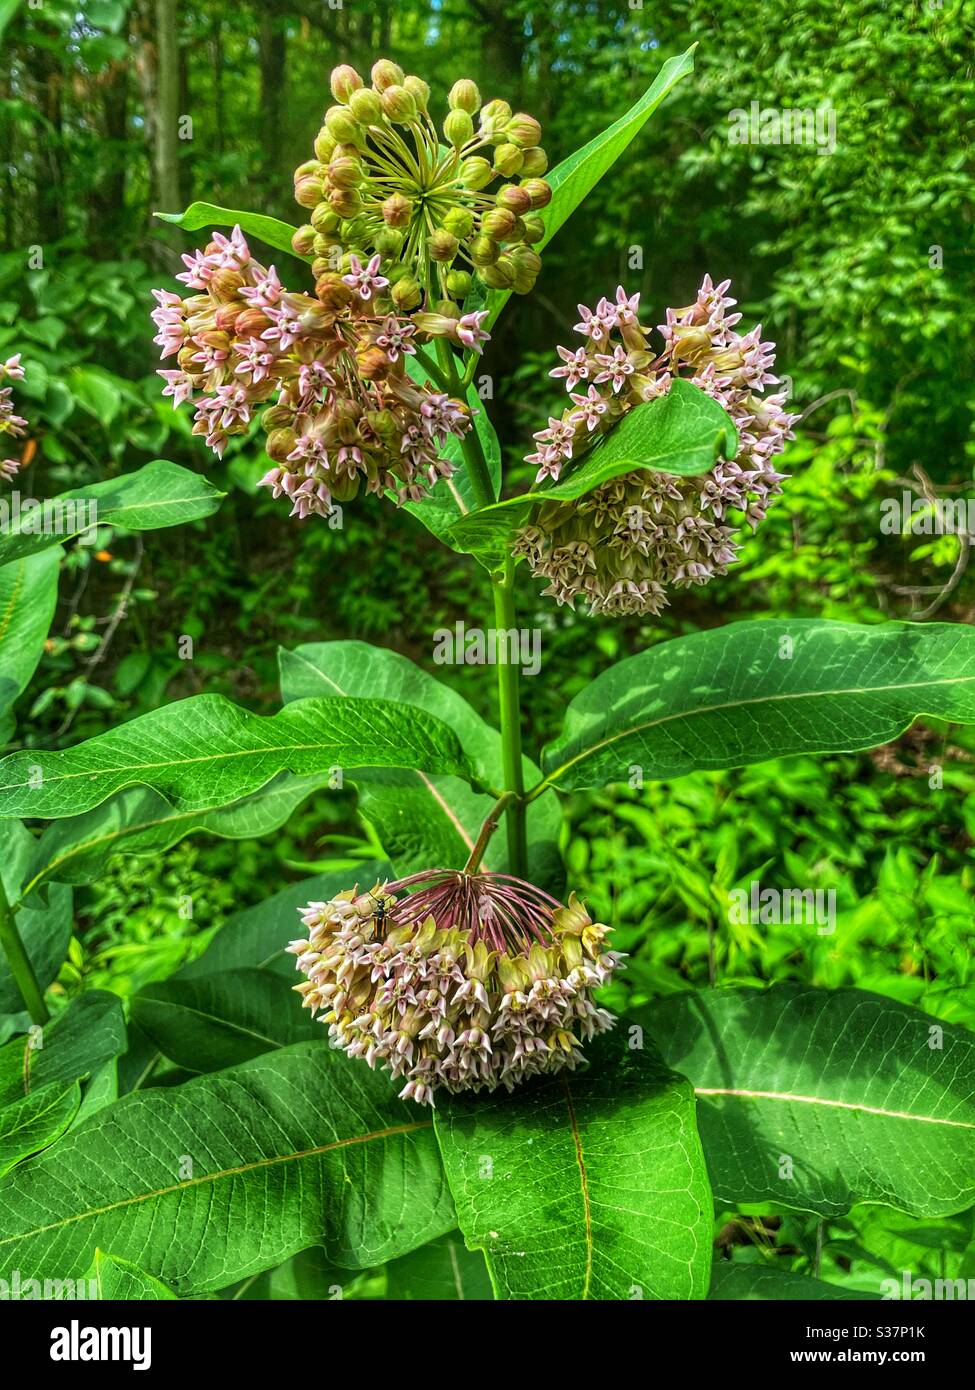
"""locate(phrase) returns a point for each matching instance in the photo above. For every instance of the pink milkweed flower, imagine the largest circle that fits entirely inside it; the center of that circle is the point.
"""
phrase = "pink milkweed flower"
(575, 366)
(256, 360)
(591, 407)
(9, 468)
(365, 280)
(394, 337)
(285, 328)
(468, 330)
(178, 385)
(626, 308)
(615, 368)
(592, 325)
(12, 368)
(266, 289)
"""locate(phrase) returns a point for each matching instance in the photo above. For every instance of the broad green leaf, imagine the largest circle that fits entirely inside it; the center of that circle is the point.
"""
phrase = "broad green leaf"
(206, 751)
(30, 1123)
(96, 393)
(117, 1278)
(684, 432)
(102, 1088)
(28, 598)
(297, 1147)
(45, 928)
(816, 1099)
(749, 1282)
(139, 821)
(89, 1032)
(756, 690)
(8, 9)
(574, 179)
(305, 1277)
(584, 1185)
(221, 1020)
(267, 229)
(423, 820)
(157, 495)
(445, 1271)
(258, 936)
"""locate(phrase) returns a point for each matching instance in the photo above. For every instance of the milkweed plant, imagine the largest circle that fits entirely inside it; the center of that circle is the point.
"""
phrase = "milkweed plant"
(444, 1057)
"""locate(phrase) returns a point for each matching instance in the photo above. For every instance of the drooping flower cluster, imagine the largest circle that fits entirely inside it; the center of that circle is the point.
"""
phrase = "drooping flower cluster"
(382, 181)
(455, 981)
(620, 545)
(328, 371)
(12, 425)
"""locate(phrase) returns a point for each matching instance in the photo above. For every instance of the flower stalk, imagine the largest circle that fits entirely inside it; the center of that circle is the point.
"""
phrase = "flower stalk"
(19, 962)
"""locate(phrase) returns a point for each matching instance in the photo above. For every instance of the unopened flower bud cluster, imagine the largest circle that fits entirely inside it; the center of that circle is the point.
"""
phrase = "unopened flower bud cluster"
(12, 426)
(619, 546)
(442, 207)
(327, 374)
(442, 1004)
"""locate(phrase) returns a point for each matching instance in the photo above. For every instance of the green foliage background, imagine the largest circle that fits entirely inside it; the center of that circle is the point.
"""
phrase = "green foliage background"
(859, 263)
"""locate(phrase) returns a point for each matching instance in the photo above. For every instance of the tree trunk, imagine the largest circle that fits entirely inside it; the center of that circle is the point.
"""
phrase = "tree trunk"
(167, 109)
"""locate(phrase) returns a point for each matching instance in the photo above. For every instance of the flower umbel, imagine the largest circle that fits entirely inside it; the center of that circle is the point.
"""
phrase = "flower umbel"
(328, 374)
(622, 544)
(455, 981)
(385, 181)
(12, 425)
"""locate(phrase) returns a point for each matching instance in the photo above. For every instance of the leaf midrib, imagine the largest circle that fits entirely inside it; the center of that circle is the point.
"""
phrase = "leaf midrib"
(388, 1133)
(793, 1098)
(551, 777)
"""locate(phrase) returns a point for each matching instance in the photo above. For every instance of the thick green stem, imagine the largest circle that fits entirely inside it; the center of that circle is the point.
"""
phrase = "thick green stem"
(509, 707)
(19, 962)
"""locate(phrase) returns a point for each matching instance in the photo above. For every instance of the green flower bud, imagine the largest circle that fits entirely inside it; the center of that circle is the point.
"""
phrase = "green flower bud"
(517, 232)
(398, 104)
(341, 124)
(325, 244)
(419, 91)
(388, 243)
(325, 219)
(497, 223)
(458, 128)
(442, 246)
(497, 277)
(324, 144)
(345, 201)
(517, 199)
(538, 191)
(459, 222)
(464, 96)
(494, 117)
(459, 283)
(309, 191)
(387, 74)
(508, 160)
(355, 232)
(323, 266)
(302, 243)
(536, 162)
(483, 251)
(526, 259)
(475, 173)
(344, 81)
(366, 106)
(279, 444)
(448, 308)
(534, 228)
(345, 173)
(523, 130)
(407, 294)
(397, 210)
